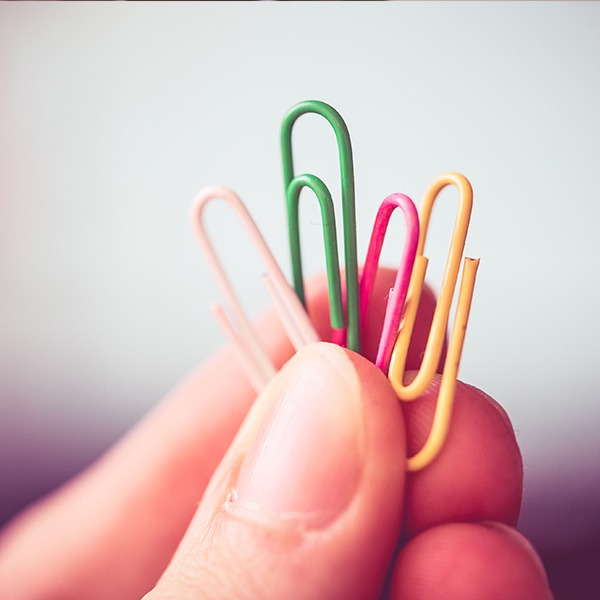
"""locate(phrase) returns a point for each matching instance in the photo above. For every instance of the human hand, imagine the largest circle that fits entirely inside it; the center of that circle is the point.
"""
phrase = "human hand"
(311, 500)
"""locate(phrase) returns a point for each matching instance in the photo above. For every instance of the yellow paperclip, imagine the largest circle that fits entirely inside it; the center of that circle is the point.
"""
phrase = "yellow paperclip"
(437, 333)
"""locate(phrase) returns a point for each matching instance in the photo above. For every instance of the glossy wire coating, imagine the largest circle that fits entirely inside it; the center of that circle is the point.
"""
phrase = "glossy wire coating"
(439, 325)
(397, 296)
(293, 186)
(237, 325)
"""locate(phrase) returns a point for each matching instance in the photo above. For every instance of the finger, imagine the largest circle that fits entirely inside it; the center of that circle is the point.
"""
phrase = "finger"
(308, 500)
(137, 518)
(133, 505)
(478, 474)
(111, 531)
(462, 561)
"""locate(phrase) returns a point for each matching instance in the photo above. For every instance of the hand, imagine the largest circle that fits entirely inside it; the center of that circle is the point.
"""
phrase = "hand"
(303, 496)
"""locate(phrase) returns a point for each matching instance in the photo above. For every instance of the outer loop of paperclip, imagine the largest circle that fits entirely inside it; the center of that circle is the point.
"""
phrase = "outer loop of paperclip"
(239, 328)
(348, 206)
(440, 320)
(397, 297)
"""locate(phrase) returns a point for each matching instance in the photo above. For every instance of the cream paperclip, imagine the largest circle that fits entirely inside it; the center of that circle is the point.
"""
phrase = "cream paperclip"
(235, 323)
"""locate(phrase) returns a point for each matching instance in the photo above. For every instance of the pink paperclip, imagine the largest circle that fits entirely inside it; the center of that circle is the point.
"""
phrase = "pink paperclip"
(397, 295)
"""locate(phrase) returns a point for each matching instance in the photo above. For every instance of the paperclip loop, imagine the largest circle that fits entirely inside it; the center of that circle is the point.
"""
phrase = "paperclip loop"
(435, 341)
(397, 295)
(347, 332)
(237, 325)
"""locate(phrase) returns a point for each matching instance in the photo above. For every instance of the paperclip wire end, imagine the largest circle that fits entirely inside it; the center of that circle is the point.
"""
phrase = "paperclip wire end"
(290, 311)
(445, 403)
(257, 372)
(399, 353)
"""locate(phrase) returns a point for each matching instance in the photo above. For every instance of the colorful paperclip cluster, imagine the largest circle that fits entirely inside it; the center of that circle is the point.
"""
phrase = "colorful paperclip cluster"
(348, 311)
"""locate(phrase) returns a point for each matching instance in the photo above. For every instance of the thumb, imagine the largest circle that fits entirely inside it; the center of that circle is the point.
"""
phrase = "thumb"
(307, 502)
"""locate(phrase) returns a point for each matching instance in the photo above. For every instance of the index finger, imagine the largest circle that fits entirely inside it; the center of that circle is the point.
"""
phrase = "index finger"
(478, 474)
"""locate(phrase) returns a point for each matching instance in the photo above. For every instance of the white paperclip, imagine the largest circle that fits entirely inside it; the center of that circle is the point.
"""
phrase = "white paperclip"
(236, 324)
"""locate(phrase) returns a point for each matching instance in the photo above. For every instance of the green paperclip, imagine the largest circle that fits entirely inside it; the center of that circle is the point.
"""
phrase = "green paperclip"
(293, 187)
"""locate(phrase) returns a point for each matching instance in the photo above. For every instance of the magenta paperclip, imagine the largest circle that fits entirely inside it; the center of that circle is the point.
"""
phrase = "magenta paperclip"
(397, 295)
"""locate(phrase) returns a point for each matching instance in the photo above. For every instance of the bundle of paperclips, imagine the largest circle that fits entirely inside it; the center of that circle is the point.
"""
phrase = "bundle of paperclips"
(348, 310)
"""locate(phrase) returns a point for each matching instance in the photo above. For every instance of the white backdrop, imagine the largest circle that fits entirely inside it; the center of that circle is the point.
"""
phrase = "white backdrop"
(113, 115)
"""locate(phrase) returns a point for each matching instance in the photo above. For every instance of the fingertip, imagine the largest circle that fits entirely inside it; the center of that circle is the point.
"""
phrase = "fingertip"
(462, 561)
(478, 474)
(313, 485)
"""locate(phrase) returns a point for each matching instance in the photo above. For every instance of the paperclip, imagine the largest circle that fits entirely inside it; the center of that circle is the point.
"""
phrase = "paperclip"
(347, 332)
(237, 326)
(435, 341)
(397, 295)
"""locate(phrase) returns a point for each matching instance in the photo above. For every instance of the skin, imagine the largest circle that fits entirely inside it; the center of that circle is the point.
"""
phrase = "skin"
(148, 517)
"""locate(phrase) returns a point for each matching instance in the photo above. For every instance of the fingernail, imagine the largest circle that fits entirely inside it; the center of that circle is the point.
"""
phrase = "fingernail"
(304, 462)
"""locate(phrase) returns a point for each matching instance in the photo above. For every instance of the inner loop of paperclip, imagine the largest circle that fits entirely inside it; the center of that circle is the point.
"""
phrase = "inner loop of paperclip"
(312, 182)
(348, 208)
(443, 409)
(397, 296)
(238, 327)
(440, 320)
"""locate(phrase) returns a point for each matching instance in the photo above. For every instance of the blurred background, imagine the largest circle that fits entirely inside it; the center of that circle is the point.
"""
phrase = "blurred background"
(112, 117)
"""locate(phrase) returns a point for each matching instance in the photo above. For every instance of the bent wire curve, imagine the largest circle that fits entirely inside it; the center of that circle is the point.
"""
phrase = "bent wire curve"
(397, 296)
(237, 325)
(293, 185)
(435, 340)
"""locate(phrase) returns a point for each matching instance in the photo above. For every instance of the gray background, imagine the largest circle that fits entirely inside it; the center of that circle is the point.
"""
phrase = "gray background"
(112, 116)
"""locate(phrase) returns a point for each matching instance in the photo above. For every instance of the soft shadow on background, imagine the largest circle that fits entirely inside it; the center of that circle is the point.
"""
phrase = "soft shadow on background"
(112, 116)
